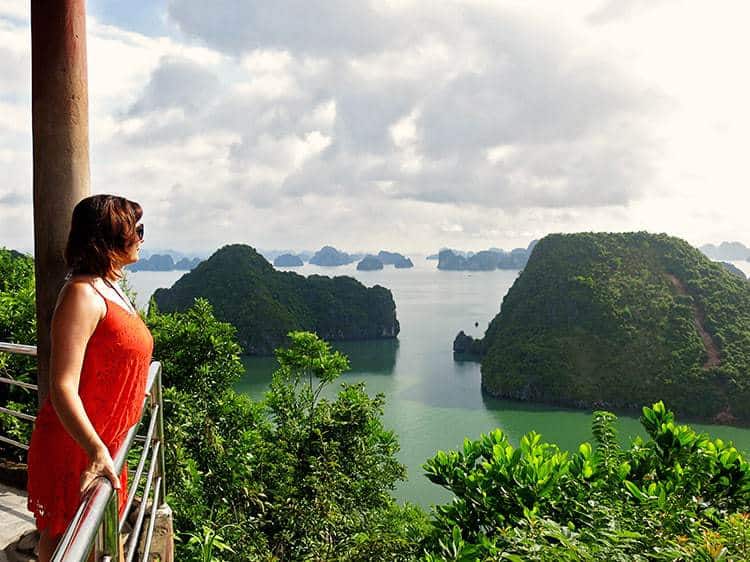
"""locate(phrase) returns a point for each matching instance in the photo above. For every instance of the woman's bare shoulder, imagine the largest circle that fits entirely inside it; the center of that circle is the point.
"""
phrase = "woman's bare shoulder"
(79, 293)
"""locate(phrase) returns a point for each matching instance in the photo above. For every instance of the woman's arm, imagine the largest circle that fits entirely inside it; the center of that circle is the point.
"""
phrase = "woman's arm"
(76, 316)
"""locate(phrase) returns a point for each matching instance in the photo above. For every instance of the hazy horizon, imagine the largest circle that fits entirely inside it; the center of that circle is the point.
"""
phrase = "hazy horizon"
(147, 251)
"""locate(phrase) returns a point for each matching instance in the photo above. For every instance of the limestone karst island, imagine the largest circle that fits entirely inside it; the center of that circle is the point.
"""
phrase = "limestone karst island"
(619, 320)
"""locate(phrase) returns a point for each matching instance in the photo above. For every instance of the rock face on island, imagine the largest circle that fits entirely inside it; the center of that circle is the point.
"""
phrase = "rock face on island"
(466, 345)
(288, 260)
(163, 262)
(264, 304)
(370, 263)
(486, 260)
(399, 261)
(329, 256)
(622, 320)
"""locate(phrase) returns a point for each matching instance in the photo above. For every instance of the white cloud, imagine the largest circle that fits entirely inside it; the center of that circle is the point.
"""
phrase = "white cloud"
(407, 124)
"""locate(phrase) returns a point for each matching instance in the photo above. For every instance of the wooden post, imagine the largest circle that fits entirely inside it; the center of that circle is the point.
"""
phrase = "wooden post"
(59, 93)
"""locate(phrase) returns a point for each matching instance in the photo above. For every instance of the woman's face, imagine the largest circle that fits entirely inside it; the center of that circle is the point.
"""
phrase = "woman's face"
(132, 252)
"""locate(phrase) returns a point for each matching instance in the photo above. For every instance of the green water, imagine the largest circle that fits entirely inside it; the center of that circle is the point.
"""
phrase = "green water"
(432, 401)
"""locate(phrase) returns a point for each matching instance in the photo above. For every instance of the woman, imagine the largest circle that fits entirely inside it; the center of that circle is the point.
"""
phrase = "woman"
(100, 355)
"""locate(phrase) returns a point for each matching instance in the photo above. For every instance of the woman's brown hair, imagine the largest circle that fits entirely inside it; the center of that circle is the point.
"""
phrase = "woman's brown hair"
(102, 229)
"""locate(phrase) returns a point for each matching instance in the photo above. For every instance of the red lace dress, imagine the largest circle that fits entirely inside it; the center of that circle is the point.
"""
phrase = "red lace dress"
(112, 388)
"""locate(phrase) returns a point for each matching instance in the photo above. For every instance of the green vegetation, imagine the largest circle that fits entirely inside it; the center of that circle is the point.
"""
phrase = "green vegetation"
(265, 304)
(17, 325)
(677, 496)
(298, 476)
(294, 477)
(620, 320)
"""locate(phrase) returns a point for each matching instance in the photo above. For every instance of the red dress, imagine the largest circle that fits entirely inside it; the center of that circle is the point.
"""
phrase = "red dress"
(112, 388)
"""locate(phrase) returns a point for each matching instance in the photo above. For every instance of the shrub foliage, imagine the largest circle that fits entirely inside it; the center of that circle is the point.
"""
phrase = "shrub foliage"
(677, 496)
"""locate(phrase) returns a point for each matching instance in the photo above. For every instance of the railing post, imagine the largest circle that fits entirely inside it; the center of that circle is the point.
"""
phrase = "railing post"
(158, 399)
(161, 527)
(108, 537)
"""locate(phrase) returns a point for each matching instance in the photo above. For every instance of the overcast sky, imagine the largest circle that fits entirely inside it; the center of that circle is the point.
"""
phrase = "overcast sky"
(402, 125)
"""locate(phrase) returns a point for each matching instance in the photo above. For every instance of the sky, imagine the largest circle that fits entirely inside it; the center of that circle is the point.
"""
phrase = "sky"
(402, 125)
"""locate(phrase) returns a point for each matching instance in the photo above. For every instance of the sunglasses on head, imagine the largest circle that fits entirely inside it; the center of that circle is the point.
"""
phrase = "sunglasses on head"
(139, 231)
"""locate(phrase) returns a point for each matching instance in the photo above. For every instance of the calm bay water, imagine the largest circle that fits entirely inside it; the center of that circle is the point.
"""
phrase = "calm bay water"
(432, 401)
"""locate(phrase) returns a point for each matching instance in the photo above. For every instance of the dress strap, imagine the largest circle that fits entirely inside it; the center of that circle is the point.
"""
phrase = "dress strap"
(97, 290)
(106, 302)
(128, 303)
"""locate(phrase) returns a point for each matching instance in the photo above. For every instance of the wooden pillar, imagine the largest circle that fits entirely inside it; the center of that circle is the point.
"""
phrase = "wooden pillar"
(59, 93)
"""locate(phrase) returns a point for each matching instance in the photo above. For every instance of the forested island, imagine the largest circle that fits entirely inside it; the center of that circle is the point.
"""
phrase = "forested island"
(619, 320)
(265, 304)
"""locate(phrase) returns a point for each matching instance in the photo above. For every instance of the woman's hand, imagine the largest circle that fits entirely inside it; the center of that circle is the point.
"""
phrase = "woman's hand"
(101, 464)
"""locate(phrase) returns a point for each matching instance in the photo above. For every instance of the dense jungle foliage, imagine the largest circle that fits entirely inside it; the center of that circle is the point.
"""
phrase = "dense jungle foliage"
(265, 304)
(621, 320)
(297, 476)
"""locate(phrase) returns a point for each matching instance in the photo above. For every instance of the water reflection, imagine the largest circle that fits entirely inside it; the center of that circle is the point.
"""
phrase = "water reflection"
(375, 357)
(372, 357)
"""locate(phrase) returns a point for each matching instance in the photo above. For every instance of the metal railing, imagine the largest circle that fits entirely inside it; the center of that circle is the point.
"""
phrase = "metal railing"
(97, 525)
(18, 350)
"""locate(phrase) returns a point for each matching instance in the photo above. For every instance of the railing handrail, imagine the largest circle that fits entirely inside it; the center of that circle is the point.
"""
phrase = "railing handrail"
(96, 519)
(78, 539)
(18, 348)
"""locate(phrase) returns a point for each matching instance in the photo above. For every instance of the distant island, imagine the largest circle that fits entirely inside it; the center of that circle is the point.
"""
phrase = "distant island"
(374, 263)
(369, 263)
(328, 256)
(486, 260)
(436, 255)
(399, 261)
(163, 262)
(288, 260)
(727, 251)
(600, 320)
(264, 304)
(271, 255)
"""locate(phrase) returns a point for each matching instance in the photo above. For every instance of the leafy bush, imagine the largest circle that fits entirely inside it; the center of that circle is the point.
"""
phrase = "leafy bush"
(667, 498)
